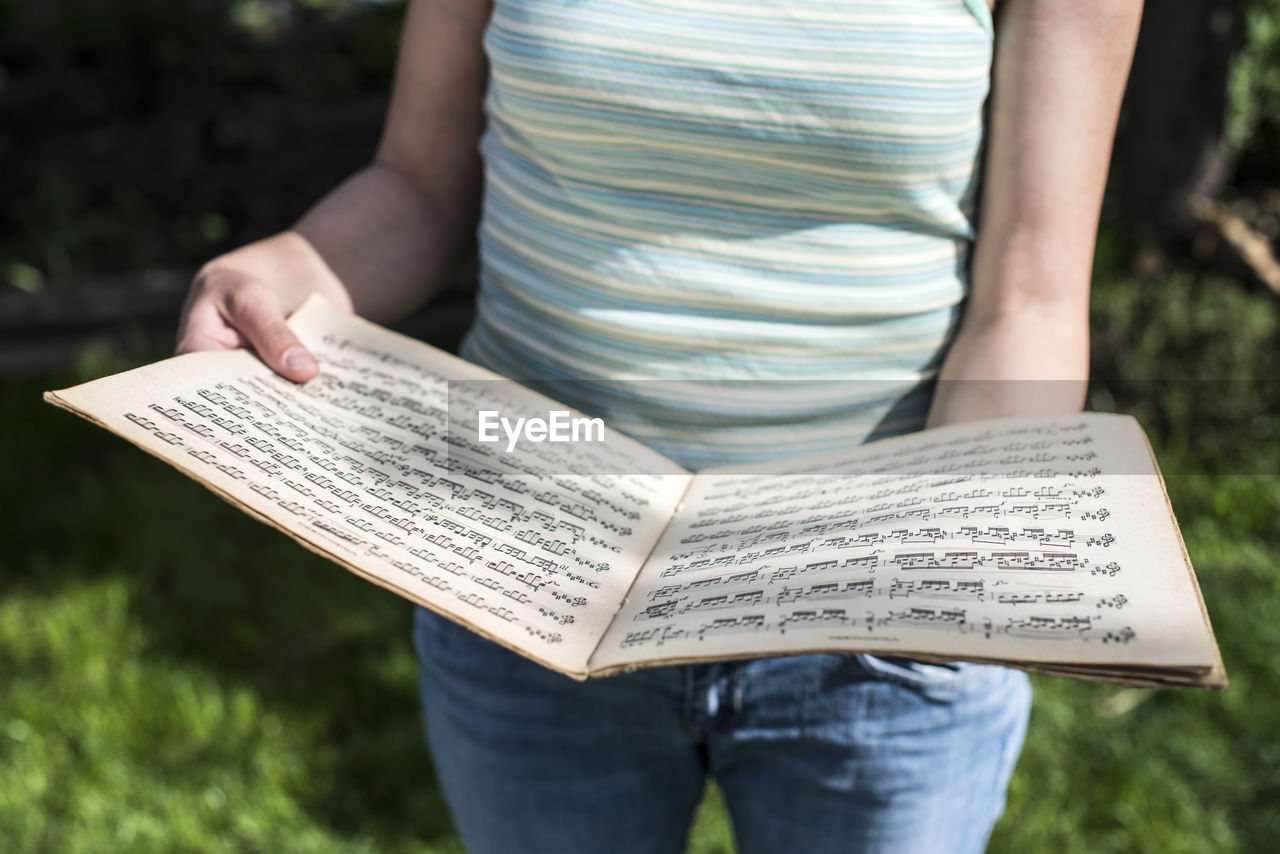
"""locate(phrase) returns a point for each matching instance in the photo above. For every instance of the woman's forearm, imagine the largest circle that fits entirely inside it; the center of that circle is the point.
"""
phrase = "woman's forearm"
(391, 235)
(394, 232)
(387, 238)
(1023, 344)
(375, 244)
(1057, 81)
(388, 241)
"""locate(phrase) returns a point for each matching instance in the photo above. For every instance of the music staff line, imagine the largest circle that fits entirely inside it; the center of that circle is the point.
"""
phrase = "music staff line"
(552, 494)
(967, 559)
(464, 550)
(954, 620)
(666, 603)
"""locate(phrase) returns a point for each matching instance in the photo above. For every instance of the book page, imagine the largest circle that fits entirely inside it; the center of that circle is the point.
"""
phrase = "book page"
(534, 548)
(1022, 540)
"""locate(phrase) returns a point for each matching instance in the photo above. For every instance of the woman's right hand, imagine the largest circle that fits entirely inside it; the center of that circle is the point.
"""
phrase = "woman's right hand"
(241, 299)
(392, 233)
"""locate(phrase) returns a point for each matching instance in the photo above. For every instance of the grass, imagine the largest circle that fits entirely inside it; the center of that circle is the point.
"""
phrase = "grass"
(177, 678)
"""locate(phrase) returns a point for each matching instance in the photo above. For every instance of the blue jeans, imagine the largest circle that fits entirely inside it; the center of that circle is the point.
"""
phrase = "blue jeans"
(814, 753)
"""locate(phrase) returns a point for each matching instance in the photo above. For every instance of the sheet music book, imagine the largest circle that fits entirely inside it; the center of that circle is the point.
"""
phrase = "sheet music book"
(1046, 544)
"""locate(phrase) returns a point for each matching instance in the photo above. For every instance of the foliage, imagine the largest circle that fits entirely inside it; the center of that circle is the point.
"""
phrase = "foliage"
(146, 133)
(223, 38)
(1195, 358)
(1253, 115)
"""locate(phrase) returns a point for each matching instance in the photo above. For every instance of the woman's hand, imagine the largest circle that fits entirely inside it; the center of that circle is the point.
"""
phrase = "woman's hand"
(241, 299)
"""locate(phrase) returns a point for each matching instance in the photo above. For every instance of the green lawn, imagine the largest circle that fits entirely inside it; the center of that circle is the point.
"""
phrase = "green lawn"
(175, 677)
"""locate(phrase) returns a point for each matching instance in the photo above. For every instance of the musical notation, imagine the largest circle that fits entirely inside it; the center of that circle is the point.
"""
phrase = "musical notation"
(1013, 540)
(905, 548)
(956, 621)
(364, 459)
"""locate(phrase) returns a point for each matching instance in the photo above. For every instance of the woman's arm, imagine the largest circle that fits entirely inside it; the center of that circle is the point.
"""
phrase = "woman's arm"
(1023, 344)
(385, 240)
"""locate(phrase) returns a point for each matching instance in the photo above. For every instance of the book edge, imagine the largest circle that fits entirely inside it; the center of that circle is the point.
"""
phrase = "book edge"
(1219, 669)
(1117, 673)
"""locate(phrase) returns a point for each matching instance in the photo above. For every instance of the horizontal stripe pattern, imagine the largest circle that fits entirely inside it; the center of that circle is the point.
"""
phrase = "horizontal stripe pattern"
(745, 225)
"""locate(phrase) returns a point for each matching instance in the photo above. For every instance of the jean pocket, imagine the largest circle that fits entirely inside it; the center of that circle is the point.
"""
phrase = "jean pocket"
(924, 676)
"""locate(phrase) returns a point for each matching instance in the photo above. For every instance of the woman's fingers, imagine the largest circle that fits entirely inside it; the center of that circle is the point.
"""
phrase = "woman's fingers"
(203, 328)
(253, 310)
(228, 310)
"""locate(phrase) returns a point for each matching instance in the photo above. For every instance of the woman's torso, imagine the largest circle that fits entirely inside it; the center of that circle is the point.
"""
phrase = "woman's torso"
(745, 224)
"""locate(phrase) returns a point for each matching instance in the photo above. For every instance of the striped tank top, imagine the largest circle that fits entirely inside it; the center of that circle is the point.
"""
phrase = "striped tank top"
(735, 229)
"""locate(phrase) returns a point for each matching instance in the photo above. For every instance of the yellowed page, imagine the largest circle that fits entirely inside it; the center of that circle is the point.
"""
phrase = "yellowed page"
(1019, 540)
(534, 549)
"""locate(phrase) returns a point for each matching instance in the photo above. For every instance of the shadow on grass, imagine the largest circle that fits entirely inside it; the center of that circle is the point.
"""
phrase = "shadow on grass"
(213, 591)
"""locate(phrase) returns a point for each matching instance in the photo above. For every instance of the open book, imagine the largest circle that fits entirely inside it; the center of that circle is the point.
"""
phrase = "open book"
(1046, 544)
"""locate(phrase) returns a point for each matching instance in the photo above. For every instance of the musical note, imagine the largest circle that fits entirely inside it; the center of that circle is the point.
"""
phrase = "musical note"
(920, 543)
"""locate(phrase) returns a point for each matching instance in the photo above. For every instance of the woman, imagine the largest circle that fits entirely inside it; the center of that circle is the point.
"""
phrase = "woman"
(731, 196)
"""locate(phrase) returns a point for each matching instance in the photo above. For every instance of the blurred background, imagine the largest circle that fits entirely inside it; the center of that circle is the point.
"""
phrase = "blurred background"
(160, 692)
